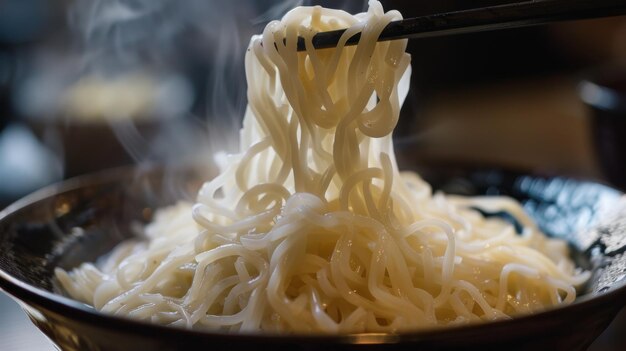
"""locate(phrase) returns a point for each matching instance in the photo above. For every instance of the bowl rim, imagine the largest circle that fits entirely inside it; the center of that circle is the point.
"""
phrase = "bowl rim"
(27, 294)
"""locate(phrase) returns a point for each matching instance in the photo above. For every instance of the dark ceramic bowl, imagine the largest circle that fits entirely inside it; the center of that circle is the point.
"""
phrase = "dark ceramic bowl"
(604, 93)
(36, 235)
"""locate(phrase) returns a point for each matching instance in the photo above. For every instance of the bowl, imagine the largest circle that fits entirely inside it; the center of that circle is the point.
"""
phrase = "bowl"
(604, 94)
(38, 234)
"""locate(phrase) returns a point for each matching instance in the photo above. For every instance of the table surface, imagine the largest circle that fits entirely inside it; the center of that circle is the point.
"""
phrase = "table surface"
(537, 124)
(16, 330)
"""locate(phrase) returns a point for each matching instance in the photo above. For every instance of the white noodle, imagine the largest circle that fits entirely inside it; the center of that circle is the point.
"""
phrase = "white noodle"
(312, 228)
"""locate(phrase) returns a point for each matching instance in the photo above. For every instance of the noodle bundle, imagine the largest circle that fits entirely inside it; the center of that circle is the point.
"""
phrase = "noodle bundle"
(312, 227)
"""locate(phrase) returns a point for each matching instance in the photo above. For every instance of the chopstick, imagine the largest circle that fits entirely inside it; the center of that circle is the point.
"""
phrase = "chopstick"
(520, 14)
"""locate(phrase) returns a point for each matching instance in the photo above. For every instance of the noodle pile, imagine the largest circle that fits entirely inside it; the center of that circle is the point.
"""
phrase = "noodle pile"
(312, 228)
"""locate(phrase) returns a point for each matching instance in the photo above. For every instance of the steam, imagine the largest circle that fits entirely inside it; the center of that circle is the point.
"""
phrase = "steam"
(199, 43)
(276, 11)
(120, 34)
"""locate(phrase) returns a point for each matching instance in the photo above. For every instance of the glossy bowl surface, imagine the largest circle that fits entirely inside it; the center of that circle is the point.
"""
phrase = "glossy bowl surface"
(40, 233)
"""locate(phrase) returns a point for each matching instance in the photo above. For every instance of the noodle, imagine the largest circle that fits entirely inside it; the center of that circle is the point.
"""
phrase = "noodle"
(312, 228)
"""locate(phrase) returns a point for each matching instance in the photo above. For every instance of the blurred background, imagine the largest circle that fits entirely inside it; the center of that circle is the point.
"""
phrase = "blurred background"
(93, 84)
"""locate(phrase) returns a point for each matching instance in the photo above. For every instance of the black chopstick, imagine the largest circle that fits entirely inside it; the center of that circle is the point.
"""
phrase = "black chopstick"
(513, 15)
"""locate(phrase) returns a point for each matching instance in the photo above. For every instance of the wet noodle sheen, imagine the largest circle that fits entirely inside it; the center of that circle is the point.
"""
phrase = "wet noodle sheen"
(312, 228)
